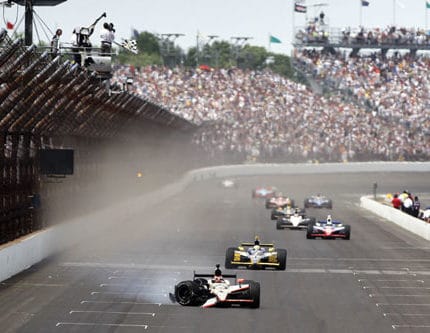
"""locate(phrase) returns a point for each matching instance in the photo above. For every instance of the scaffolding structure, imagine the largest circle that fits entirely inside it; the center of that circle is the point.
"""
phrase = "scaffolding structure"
(45, 102)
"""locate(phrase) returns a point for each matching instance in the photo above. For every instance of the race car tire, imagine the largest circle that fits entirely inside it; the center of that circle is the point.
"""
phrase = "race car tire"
(186, 293)
(330, 205)
(282, 258)
(312, 220)
(279, 224)
(347, 232)
(253, 194)
(202, 283)
(229, 255)
(309, 231)
(253, 293)
(273, 216)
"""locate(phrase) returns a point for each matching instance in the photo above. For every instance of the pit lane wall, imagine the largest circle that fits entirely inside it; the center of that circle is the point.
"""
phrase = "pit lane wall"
(408, 222)
(22, 253)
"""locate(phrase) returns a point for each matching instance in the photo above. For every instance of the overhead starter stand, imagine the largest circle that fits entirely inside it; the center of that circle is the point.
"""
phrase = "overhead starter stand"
(29, 4)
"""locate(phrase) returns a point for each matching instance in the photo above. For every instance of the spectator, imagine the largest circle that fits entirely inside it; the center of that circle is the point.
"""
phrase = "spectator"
(396, 202)
(408, 205)
(416, 207)
(55, 43)
(426, 215)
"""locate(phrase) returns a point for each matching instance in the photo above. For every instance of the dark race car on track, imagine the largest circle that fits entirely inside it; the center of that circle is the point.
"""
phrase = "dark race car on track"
(256, 256)
(279, 201)
(328, 229)
(210, 290)
(286, 211)
(264, 192)
(297, 220)
(318, 201)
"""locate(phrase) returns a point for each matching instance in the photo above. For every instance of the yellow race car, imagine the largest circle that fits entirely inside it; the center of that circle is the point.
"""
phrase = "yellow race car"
(256, 256)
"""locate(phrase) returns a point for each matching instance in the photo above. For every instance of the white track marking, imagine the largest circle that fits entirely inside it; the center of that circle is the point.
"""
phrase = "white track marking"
(393, 295)
(407, 314)
(391, 287)
(113, 302)
(401, 304)
(388, 280)
(103, 285)
(145, 327)
(152, 314)
(125, 277)
(425, 288)
(181, 267)
(127, 293)
(410, 326)
(288, 270)
(28, 284)
(404, 248)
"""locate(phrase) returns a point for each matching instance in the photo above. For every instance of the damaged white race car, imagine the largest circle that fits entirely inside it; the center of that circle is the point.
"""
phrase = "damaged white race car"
(207, 290)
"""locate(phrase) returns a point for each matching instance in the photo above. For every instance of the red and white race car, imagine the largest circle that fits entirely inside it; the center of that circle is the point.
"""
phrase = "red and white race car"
(279, 201)
(264, 192)
(209, 290)
(328, 229)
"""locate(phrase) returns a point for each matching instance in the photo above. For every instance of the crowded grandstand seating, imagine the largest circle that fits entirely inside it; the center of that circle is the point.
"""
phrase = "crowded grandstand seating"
(271, 118)
(315, 32)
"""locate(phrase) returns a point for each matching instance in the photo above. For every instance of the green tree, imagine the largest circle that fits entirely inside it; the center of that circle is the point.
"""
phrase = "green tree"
(282, 65)
(252, 57)
(148, 43)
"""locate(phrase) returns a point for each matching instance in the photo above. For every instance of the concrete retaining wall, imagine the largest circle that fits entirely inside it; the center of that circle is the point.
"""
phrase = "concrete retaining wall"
(398, 217)
(21, 254)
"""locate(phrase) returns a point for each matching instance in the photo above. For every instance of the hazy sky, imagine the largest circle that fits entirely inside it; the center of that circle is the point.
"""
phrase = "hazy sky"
(225, 18)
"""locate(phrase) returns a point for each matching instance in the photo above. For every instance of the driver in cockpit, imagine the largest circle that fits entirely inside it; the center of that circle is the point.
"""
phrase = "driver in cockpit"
(218, 281)
(256, 246)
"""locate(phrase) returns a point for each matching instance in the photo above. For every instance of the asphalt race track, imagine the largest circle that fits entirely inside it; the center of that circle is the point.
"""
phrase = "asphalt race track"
(379, 281)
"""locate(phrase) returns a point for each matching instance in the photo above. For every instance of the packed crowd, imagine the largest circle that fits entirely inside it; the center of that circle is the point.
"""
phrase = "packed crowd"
(315, 32)
(267, 117)
(388, 35)
(395, 89)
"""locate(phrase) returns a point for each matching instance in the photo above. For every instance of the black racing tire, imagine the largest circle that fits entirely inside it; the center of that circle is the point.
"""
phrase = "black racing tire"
(306, 204)
(185, 293)
(229, 255)
(347, 232)
(310, 230)
(282, 259)
(330, 205)
(279, 224)
(253, 194)
(253, 293)
(202, 283)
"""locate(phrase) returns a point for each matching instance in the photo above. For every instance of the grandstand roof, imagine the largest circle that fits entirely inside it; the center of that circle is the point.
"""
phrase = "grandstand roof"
(40, 2)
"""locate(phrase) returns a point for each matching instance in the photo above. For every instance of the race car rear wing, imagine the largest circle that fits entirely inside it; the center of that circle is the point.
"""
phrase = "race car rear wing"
(228, 276)
(252, 244)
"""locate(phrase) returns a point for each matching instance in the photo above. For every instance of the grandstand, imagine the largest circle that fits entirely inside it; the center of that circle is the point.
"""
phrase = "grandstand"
(46, 103)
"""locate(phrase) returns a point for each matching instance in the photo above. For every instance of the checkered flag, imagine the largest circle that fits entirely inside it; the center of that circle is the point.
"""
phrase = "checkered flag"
(131, 45)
